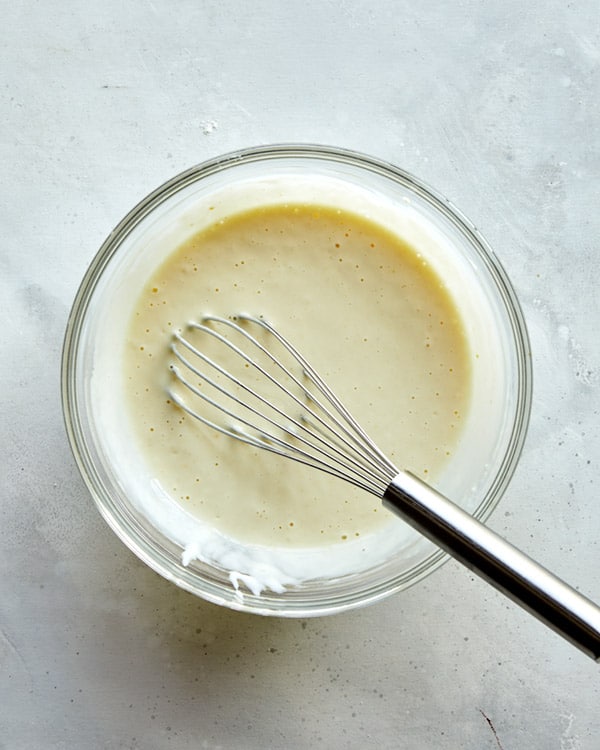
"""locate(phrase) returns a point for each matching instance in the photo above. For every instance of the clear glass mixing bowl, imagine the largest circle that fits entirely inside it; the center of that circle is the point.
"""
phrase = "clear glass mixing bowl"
(476, 478)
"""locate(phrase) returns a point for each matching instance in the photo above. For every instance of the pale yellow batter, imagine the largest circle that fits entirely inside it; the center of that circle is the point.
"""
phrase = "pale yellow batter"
(362, 306)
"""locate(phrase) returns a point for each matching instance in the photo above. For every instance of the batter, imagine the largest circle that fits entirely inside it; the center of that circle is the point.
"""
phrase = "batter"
(362, 306)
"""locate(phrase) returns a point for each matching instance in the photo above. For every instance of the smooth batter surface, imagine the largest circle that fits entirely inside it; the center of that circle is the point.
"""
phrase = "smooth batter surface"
(362, 306)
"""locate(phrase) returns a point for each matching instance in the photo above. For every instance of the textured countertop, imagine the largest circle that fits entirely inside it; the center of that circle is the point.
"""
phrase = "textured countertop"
(497, 105)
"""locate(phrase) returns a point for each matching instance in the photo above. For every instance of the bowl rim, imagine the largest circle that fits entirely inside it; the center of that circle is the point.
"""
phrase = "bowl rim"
(184, 577)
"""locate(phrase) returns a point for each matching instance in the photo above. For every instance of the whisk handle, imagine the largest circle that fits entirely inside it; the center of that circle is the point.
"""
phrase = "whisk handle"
(527, 583)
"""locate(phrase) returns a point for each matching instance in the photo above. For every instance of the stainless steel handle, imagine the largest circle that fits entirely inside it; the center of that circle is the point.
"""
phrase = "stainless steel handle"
(513, 573)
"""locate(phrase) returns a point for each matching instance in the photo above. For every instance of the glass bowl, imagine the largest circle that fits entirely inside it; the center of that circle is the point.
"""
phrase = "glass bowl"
(478, 472)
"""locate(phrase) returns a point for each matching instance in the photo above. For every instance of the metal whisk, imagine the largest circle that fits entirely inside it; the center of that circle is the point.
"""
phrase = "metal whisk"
(242, 377)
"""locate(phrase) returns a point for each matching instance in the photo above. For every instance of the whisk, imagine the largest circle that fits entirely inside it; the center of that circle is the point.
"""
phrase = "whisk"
(242, 377)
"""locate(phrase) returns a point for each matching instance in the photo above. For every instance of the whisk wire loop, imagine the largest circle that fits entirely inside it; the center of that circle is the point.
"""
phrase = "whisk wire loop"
(317, 437)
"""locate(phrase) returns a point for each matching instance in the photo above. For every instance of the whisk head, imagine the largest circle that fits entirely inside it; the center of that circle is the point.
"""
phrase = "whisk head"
(242, 377)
